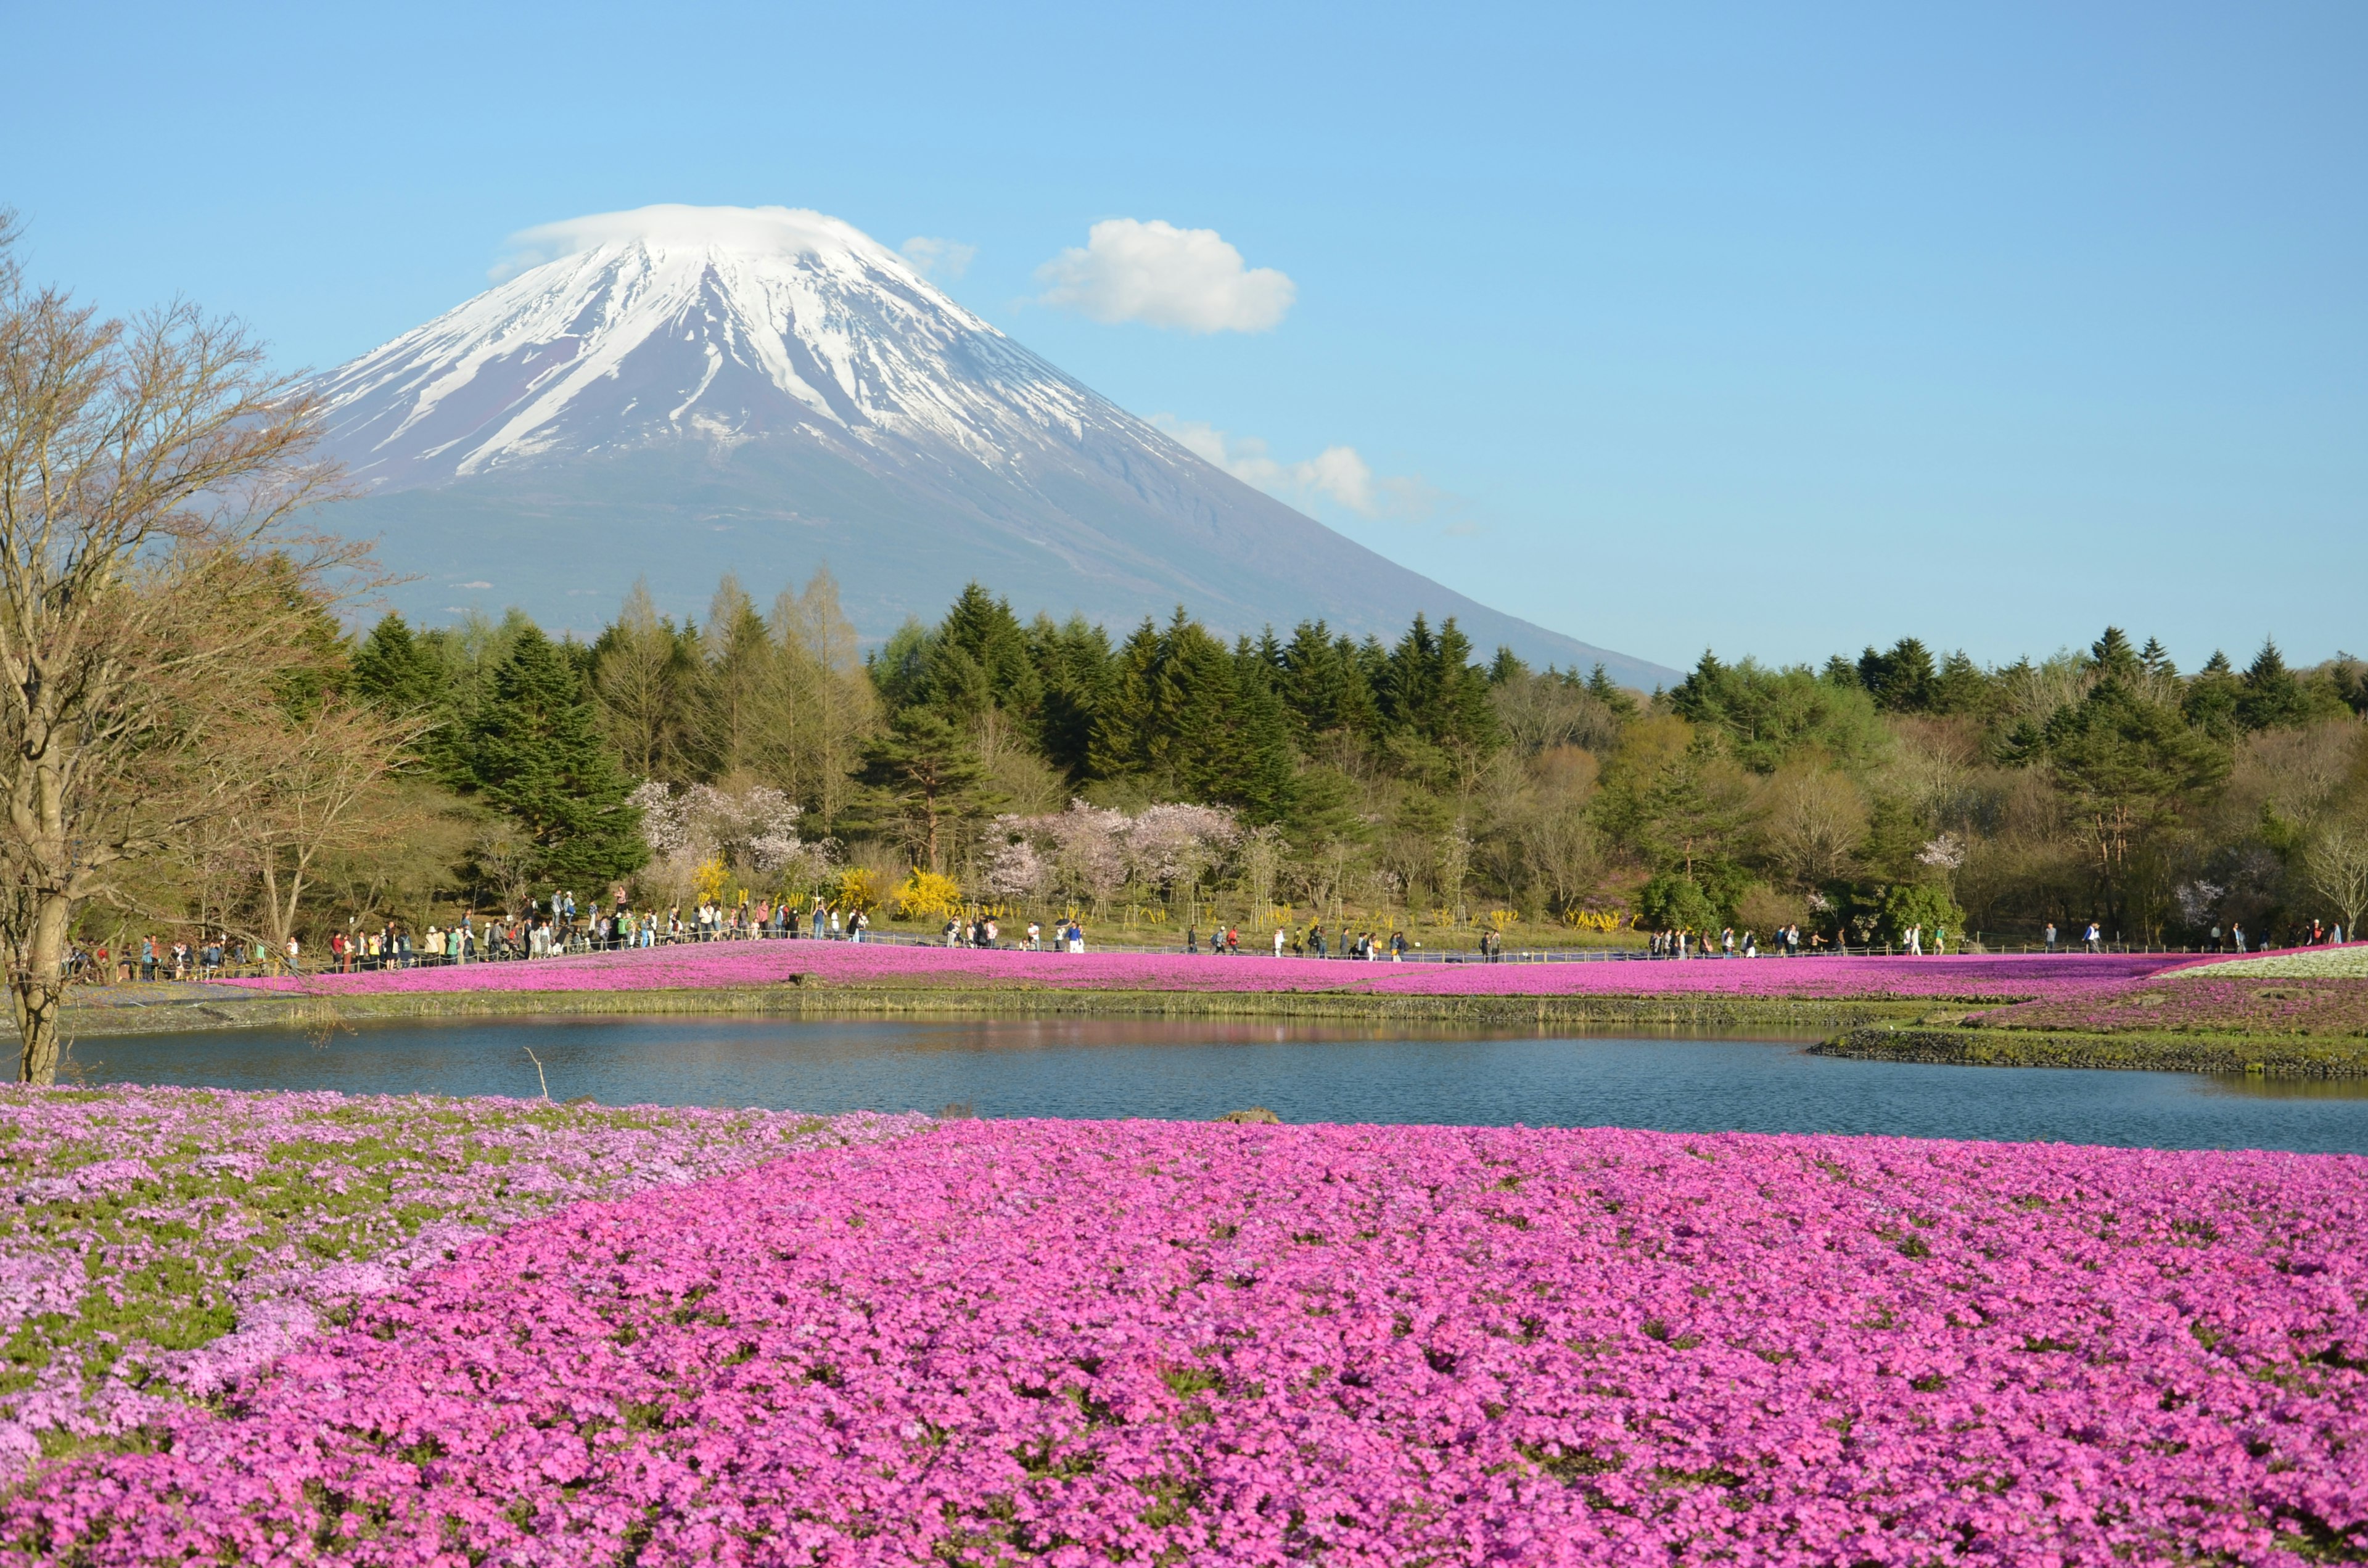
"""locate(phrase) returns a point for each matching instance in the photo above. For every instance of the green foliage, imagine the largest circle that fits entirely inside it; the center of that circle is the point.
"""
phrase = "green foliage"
(399, 673)
(1924, 904)
(1675, 901)
(1074, 667)
(1194, 720)
(1901, 681)
(925, 786)
(536, 754)
(1431, 690)
(1326, 682)
(392, 669)
(1769, 716)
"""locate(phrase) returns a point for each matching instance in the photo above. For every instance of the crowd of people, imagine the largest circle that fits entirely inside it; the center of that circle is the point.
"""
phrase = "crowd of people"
(546, 928)
(1785, 941)
(555, 926)
(984, 930)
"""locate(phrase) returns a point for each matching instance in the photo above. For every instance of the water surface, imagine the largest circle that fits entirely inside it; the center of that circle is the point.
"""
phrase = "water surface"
(1193, 1070)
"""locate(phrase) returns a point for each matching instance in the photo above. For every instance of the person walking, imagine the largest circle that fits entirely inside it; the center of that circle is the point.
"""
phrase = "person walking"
(1277, 941)
(2051, 936)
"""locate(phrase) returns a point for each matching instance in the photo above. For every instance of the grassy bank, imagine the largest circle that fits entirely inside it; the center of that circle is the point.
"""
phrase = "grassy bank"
(212, 1008)
(2270, 1056)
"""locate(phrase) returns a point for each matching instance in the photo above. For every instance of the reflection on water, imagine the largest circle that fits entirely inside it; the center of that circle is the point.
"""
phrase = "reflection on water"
(1695, 1082)
(2263, 1088)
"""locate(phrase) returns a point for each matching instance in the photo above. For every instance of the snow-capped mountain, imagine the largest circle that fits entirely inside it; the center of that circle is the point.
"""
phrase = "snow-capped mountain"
(678, 391)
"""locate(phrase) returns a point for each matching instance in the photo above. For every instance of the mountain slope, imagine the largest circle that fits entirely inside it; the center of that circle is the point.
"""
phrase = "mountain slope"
(683, 392)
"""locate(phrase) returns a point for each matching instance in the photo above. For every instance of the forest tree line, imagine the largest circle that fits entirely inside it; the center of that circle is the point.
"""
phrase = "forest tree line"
(1412, 782)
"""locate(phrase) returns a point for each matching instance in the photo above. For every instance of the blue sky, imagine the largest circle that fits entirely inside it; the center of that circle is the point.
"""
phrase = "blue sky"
(1775, 329)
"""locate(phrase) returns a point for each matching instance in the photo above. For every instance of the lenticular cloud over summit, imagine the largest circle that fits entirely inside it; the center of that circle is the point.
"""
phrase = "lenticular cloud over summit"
(784, 230)
(678, 391)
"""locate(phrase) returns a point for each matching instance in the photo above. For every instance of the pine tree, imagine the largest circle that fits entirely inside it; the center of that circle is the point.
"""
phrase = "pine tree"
(398, 674)
(985, 652)
(1622, 705)
(1960, 687)
(537, 755)
(1124, 724)
(2271, 697)
(2212, 696)
(924, 783)
(1073, 668)
(1901, 681)
(394, 671)
(2113, 655)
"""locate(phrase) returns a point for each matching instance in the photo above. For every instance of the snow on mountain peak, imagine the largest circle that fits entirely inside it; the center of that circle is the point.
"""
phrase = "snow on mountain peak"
(715, 325)
(671, 226)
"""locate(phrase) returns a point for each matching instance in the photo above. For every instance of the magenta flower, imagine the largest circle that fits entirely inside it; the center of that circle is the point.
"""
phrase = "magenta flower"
(1987, 978)
(1138, 1342)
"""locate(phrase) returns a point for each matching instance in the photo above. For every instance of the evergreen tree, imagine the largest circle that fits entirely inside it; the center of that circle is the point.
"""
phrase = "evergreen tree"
(900, 667)
(1960, 687)
(1432, 691)
(1323, 686)
(394, 671)
(1073, 670)
(2210, 704)
(926, 785)
(2271, 699)
(1261, 765)
(2129, 768)
(1125, 724)
(2111, 655)
(1902, 680)
(980, 659)
(1600, 686)
(537, 755)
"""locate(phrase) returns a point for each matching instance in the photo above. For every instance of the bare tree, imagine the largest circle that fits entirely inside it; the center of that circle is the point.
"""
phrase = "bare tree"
(2337, 865)
(826, 699)
(144, 467)
(304, 790)
(1816, 818)
(642, 683)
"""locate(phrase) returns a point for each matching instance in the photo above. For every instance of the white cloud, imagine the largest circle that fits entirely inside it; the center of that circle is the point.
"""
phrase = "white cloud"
(1337, 473)
(472, 584)
(1164, 275)
(940, 260)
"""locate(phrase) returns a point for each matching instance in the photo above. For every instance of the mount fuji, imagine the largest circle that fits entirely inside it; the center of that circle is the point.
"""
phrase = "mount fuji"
(678, 391)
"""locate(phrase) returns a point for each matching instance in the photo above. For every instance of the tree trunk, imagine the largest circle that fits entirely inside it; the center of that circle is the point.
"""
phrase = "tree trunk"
(37, 991)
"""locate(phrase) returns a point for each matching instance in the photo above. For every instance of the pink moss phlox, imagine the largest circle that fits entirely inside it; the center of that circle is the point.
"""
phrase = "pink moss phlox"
(1985, 977)
(159, 1245)
(1150, 1343)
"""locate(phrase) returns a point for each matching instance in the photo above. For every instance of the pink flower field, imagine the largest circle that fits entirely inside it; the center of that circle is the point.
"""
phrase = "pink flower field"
(1138, 1342)
(1981, 979)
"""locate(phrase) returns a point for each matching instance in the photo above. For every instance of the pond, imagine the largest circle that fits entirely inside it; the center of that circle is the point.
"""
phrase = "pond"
(1196, 1070)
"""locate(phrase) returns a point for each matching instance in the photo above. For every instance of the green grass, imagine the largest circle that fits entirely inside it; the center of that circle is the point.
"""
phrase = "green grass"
(2273, 1057)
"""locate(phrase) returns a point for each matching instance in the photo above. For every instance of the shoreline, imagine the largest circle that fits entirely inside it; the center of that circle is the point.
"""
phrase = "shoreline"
(1860, 1028)
(217, 1012)
(2264, 1056)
